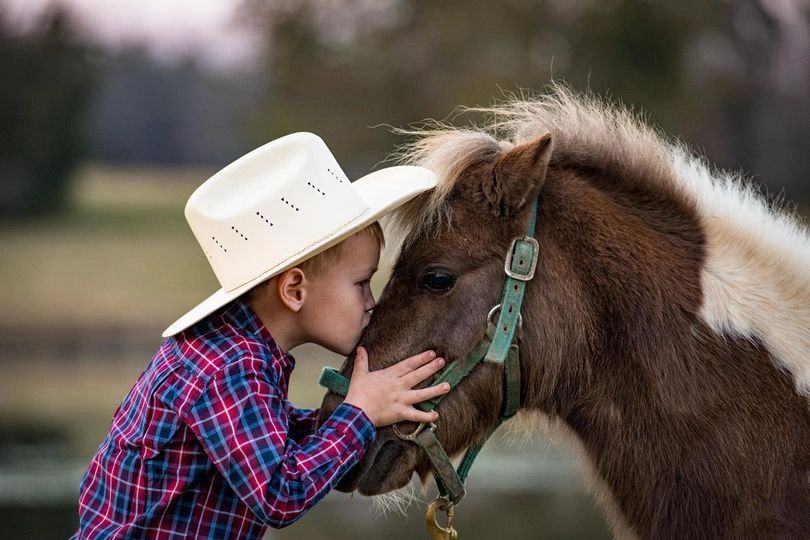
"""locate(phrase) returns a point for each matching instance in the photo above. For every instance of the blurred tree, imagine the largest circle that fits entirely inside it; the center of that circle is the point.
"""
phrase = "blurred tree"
(174, 112)
(772, 133)
(47, 82)
(339, 67)
(708, 72)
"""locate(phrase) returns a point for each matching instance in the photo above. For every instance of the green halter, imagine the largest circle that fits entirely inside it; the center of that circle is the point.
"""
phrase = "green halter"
(498, 346)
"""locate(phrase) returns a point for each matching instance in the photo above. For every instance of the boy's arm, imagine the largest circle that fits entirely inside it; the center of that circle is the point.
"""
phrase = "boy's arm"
(302, 421)
(242, 423)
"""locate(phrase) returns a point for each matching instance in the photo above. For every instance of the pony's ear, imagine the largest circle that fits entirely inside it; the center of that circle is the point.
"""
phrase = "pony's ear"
(518, 175)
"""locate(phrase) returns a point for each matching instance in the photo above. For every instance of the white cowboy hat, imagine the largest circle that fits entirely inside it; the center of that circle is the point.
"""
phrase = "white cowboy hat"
(281, 204)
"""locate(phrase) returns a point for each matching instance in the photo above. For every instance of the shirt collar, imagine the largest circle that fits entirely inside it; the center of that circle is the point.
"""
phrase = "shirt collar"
(242, 316)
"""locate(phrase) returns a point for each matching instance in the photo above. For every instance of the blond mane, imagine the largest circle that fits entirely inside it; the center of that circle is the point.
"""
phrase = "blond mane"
(756, 279)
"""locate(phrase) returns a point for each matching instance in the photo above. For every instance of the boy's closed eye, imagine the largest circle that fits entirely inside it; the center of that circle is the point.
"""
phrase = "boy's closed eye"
(367, 278)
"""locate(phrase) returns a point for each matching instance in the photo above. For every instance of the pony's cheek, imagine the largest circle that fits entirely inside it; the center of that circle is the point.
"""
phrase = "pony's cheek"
(352, 478)
(392, 469)
(329, 403)
(423, 470)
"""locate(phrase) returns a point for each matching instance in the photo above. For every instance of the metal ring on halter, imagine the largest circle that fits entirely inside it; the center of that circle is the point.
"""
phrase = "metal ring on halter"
(412, 436)
(495, 309)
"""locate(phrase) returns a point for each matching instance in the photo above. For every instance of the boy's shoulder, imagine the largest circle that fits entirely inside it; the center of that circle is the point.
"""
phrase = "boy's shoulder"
(230, 340)
(205, 354)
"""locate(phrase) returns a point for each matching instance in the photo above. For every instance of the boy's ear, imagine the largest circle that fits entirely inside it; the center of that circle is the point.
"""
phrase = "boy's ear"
(291, 288)
(518, 176)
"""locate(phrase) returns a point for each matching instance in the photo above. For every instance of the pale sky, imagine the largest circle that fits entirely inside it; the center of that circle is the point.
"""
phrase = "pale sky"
(170, 29)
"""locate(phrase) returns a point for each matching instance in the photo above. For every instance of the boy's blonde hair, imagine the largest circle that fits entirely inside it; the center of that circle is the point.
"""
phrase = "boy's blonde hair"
(325, 259)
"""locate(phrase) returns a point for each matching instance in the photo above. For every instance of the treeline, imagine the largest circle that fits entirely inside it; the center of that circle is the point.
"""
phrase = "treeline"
(47, 83)
(730, 78)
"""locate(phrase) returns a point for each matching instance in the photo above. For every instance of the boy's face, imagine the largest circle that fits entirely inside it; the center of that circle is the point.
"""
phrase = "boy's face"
(339, 300)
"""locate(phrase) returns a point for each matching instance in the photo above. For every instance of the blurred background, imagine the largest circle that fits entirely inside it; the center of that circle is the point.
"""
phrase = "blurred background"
(112, 112)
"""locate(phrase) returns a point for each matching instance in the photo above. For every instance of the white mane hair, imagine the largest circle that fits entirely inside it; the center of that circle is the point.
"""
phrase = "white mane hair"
(756, 277)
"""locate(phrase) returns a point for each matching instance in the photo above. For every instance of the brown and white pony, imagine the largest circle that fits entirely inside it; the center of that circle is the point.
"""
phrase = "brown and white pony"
(667, 327)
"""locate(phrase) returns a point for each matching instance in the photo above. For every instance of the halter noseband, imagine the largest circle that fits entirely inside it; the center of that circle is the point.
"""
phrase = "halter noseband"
(498, 346)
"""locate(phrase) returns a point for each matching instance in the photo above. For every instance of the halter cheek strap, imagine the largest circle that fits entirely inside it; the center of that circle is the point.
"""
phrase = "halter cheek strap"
(497, 346)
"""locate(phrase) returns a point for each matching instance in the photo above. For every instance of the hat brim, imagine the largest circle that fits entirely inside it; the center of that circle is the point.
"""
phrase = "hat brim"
(382, 191)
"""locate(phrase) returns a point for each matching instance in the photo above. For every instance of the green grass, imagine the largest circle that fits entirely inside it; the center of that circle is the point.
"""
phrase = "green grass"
(77, 398)
(120, 255)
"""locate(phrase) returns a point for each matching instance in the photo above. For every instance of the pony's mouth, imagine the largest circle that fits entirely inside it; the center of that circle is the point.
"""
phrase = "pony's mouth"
(387, 466)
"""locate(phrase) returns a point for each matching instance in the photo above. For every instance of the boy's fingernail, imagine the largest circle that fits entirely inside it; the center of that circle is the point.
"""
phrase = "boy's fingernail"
(432, 354)
(446, 387)
(441, 361)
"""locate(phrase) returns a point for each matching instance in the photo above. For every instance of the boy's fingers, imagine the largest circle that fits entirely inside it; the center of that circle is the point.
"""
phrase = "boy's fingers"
(415, 415)
(412, 363)
(424, 394)
(415, 377)
(360, 361)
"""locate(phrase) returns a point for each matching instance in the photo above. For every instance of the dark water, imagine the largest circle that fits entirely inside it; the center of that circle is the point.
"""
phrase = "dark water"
(481, 516)
(41, 521)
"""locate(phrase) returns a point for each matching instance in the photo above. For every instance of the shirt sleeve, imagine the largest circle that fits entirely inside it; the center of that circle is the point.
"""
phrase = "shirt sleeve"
(302, 421)
(242, 423)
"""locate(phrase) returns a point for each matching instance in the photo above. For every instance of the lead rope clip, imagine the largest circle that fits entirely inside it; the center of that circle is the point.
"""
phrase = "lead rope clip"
(438, 532)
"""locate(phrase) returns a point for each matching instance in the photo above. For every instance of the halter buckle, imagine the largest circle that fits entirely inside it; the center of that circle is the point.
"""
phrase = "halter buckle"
(507, 266)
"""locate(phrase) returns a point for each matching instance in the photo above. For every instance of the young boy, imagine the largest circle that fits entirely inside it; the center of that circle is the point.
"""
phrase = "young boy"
(206, 444)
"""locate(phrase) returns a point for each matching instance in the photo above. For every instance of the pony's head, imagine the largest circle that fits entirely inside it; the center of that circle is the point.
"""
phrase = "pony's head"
(449, 275)
(561, 149)
(637, 317)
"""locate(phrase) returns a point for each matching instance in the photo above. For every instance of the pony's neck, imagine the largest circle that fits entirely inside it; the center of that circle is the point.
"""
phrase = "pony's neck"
(618, 277)
(675, 418)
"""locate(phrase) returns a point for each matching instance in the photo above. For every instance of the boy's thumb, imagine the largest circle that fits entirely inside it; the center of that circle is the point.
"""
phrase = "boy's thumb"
(361, 361)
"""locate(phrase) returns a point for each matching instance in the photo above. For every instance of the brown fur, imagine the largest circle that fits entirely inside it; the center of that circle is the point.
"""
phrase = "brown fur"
(693, 433)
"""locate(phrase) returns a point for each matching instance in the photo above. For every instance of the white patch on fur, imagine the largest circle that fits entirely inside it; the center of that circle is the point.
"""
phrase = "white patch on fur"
(756, 279)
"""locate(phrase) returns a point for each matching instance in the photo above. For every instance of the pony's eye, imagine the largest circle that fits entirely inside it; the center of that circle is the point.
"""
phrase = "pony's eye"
(436, 280)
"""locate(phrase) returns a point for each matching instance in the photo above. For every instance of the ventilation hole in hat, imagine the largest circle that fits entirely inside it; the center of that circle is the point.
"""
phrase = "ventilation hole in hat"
(310, 184)
(339, 179)
(288, 203)
(234, 229)
(223, 248)
(262, 217)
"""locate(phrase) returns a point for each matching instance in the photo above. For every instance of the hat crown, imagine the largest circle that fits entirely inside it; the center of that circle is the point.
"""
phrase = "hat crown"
(270, 205)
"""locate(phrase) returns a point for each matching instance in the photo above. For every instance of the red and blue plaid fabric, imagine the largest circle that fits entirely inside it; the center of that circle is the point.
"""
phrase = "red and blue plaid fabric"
(206, 444)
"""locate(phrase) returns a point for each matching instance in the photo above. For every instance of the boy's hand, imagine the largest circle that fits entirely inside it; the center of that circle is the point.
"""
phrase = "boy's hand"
(387, 395)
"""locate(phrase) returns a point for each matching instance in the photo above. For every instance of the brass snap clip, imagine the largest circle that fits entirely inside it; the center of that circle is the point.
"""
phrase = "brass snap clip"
(437, 532)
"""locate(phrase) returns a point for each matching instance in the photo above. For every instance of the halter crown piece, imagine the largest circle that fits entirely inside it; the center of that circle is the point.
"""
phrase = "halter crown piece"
(498, 346)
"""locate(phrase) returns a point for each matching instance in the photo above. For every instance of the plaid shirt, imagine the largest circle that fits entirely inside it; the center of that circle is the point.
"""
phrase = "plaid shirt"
(206, 444)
